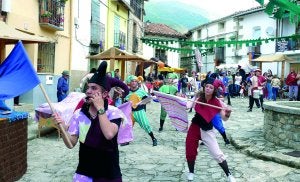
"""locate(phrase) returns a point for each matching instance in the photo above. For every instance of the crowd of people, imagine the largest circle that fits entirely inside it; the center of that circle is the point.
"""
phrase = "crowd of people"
(97, 119)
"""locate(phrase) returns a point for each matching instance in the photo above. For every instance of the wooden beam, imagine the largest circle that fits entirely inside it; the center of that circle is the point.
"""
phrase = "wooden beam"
(141, 69)
(112, 61)
(123, 70)
(282, 70)
(2, 51)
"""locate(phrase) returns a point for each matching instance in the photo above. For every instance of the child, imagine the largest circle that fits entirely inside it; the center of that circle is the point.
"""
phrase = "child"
(242, 90)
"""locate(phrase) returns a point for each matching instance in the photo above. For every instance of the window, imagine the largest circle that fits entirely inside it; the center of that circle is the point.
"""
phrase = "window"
(97, 29)
(46, 58)
(116, 31)
(221, 26)
(256, 32)
(135, 40)
(254, 51)
(137, 6)
(161, 54)
(122, 40)
(199, 34)
(220, 53)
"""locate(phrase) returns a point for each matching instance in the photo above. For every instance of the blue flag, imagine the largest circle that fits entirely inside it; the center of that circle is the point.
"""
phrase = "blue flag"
(17, 74)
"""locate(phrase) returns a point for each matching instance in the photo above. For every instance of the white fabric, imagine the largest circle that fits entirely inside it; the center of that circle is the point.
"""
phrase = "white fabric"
(209, 140)
(176, 109)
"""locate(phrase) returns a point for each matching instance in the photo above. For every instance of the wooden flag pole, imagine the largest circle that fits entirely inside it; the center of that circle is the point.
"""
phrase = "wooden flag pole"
(209, 105)
(53, 111)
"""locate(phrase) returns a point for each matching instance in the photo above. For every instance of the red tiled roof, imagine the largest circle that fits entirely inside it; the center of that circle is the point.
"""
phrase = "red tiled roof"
(161, 30)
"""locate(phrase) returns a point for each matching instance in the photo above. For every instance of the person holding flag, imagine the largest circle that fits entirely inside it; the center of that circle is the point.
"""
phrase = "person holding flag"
(206, 107)
(168, 88)
(96, 126)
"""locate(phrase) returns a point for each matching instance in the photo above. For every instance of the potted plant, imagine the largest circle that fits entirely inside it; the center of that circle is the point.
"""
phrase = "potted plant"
(45, 16)
(63, 2)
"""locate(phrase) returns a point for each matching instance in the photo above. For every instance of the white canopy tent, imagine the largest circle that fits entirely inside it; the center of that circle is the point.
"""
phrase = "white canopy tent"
(233, 67)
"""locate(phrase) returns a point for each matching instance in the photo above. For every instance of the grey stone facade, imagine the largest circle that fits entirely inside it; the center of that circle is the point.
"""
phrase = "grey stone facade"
(282, 123)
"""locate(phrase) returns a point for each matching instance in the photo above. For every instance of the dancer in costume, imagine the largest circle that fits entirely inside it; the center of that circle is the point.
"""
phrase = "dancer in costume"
(96, 126)
(217, 119)
(135, 95)
(168, 88)
(202, 129)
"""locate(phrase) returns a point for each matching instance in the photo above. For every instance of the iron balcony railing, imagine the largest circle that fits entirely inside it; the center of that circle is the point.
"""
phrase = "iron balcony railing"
(52, 14)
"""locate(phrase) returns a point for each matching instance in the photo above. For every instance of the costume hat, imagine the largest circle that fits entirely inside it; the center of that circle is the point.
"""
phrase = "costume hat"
(130, 78)
(100, 76)
(172, 76)
(208, 80)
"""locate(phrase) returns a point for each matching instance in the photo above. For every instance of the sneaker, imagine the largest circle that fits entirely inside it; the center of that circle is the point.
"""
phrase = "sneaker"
(227, 141)
(249, 110)
(154, 142)
(190, 176)
(231, 178)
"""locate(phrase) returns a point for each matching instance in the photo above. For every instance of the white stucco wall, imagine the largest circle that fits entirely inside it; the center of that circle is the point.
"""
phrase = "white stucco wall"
(148, 51)
(81, 35)
(173, 57)
(258, 20)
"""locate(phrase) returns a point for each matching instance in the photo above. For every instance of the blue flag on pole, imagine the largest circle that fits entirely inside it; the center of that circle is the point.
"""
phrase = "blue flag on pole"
(17, 74)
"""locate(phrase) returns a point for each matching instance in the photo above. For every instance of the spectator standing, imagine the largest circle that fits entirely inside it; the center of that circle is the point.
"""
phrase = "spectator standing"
(63, 86)
(242, 73)
(261, 83)
(269, 86)
(291, 81)
(117, 74)
(225, 80)
(184, 84)
(275, 83)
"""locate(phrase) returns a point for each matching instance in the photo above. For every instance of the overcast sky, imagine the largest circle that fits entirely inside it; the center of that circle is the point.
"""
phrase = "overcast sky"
(220, 8)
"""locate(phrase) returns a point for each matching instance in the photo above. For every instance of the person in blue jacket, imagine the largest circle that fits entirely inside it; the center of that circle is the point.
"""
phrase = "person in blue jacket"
(63, 86)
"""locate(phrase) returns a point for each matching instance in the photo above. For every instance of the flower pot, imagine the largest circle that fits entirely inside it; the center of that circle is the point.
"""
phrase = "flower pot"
(45, 19)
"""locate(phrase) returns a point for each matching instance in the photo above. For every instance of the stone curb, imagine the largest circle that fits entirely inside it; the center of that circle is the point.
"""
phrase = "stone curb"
(274, 156)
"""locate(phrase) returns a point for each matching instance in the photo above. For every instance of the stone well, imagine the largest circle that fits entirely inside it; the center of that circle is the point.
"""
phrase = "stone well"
(282, 123)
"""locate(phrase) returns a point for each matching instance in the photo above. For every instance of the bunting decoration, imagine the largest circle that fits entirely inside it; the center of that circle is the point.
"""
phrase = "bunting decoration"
(207, 46)
(279, 8)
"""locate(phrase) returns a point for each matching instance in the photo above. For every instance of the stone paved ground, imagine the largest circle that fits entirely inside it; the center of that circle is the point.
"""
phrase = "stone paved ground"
(49, 160)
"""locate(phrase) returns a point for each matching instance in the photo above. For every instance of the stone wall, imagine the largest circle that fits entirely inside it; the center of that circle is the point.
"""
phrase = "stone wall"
(282, 123)
(13, 149)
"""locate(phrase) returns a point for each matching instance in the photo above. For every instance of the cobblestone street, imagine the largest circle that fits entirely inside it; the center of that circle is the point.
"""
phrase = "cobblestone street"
(50, 160)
